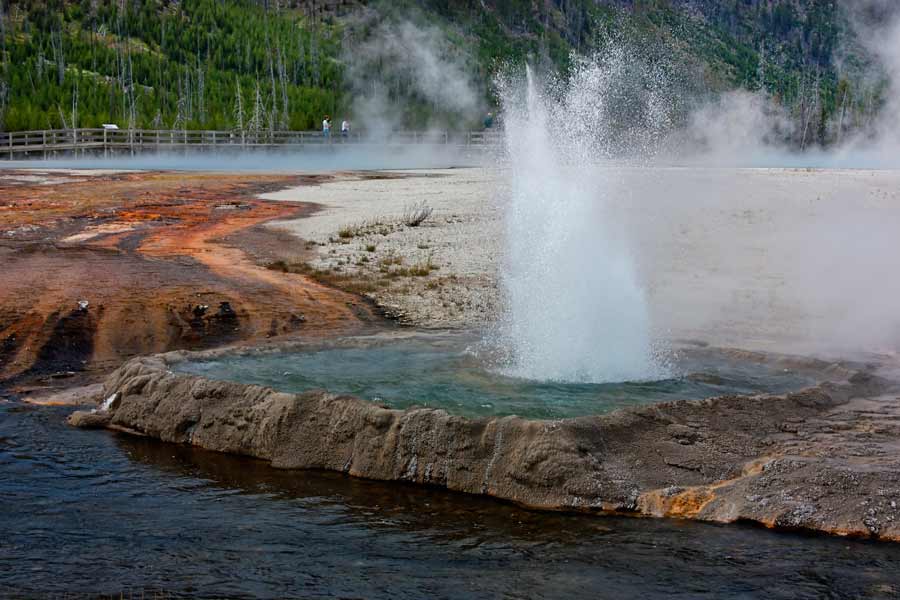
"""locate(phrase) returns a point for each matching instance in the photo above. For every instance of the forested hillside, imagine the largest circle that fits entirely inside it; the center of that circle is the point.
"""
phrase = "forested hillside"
(196, 63)
(273, 64)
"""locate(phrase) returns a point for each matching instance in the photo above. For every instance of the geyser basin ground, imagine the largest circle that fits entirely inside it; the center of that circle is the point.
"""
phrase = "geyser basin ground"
(453, 372)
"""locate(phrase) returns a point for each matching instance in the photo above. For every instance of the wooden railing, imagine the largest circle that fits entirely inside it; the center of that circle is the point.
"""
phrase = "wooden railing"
(51, 142)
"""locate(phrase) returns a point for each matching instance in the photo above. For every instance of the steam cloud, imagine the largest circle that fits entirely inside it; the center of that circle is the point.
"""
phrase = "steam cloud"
(742, 128)
(400, 64)
(877, 23)
(737, 128)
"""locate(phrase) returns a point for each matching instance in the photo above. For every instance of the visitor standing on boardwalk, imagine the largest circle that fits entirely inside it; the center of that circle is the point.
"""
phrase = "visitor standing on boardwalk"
(326, 127)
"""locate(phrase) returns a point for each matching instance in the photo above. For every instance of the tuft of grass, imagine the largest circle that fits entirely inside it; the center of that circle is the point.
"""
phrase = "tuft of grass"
(279, 265)
(364, 228)
(391, 259)
(423, 269)
(416, 214)
(370, 247)
(391, 267)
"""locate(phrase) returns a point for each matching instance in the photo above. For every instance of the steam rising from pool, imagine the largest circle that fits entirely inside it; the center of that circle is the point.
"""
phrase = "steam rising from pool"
(575, 310)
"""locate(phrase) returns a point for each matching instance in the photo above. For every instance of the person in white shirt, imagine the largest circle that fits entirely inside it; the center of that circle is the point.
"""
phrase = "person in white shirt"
(345, 128)
(326, 127)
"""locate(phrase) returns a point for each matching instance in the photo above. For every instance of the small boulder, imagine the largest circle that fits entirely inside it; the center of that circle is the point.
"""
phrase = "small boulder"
(86, 419)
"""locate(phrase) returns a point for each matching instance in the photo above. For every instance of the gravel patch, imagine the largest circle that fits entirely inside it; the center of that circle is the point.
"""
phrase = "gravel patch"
(440, 273)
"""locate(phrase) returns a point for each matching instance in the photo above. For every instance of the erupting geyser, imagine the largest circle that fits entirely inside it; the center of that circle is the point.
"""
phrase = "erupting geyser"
(575, 309)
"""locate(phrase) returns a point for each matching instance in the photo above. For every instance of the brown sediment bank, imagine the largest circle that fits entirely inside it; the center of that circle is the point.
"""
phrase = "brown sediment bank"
(103, 267)
(824, 459)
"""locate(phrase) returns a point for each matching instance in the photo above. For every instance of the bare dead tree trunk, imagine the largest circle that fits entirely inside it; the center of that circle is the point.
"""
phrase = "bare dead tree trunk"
(300, 63)
(238, 107)
(282, 75)
(259, 112)
(75, 106)
(810, 113)
(58, 56)
(314, 58)
(62, 117)
(840, 127)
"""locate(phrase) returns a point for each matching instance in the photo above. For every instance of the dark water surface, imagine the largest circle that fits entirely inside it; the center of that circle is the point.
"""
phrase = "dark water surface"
(93, 512)
(441, 371)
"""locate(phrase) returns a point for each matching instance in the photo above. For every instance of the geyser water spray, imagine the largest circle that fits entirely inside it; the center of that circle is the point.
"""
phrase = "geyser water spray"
(575, 310)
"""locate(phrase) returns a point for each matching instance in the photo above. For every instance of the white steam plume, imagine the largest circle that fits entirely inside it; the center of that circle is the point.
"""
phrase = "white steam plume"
(742, 128)
(737, 128)
(403, 66)
(877, 25)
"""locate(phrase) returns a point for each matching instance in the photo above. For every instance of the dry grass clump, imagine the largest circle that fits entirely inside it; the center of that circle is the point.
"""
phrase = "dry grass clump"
(423, 269)
(380, 226)
(416, 214)
(348, 232)
(390, 260)
(354, 283)
(420, 269)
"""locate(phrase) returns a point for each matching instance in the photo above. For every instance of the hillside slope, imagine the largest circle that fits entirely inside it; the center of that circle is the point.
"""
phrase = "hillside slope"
(271, 64)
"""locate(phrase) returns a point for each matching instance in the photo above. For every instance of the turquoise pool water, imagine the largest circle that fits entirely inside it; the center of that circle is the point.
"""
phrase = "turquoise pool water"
(435, 371)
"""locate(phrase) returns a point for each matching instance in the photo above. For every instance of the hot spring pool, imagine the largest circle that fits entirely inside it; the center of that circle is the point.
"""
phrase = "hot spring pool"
(442, 371)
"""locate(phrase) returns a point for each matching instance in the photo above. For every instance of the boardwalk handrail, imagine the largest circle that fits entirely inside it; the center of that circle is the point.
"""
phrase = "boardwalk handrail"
(137, 140)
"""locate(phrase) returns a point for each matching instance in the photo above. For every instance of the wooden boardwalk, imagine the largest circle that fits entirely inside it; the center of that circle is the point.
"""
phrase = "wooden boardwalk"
(116, 142)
